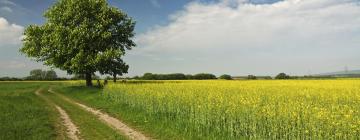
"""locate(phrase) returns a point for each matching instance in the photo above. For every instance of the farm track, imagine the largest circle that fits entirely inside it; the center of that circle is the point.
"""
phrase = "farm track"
(72, 130)
(109, 120)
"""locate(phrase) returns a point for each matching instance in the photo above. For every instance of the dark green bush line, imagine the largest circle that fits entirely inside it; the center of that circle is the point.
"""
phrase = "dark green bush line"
(176, 76)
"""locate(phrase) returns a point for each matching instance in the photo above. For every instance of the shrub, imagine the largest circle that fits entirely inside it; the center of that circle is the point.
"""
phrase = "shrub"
(204, 76)
(225, 77)
(282, 76)
(251, 77)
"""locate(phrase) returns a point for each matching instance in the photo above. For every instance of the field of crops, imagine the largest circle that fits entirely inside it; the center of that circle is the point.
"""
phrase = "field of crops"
(291, 109)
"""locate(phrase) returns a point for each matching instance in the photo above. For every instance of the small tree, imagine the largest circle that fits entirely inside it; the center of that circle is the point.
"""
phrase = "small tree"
(79, 35)
(50, 75)
(148, 76)
(251, 77)
(113, 67)
(135, 77)
(36, 74)
(282, 76)
(225, 77)
(204, 76)
(189, 77)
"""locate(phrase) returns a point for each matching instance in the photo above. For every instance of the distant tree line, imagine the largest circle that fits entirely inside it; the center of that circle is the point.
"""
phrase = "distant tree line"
(226, 77)
(50, 75)
(39, 74)
(11, 79)
(176, 76)
(36, 75)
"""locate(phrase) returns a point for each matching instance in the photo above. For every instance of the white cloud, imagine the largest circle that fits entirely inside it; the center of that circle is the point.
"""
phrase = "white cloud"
(10, 34)
(6, 9)
(155, 3)
(7, 2)
(290, 35)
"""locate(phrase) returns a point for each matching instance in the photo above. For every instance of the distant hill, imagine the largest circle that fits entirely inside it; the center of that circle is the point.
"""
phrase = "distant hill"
(350, 73)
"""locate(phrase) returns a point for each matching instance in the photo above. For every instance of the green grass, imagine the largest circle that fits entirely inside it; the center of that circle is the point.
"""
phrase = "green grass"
(135, 118)
(25, 116)
(89, 126)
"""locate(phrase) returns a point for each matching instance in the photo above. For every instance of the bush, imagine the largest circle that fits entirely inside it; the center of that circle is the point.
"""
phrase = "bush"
(251, 77)
(176, 76)
(10, 79)
(204, 76)
(225, 77)
(189, 77)
(173, 76)
(282, 76)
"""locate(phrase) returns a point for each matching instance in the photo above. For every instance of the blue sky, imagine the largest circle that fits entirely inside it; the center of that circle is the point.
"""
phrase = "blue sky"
(237, 37)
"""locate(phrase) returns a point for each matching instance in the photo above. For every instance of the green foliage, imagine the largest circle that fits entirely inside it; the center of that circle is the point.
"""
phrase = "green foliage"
(88, 124)
(149, 76)
(81, 36)
(136, 77)
(225, 77)
(23, 115)
(251, 77)
(176, 76)
(189, 77)
(38, 74)
(204, 76)
(82, 76)
(282, 76)
(10, 79)
(50, 75)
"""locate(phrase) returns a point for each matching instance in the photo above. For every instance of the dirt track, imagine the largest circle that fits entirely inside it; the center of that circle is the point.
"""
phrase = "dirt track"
(109, 120)
(72, 130)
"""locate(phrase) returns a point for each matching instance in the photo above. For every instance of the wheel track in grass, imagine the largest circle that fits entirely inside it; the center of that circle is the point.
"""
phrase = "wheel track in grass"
(72, 130)
(109, 120)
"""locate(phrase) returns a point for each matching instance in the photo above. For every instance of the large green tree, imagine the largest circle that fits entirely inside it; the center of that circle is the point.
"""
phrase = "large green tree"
(83, 37)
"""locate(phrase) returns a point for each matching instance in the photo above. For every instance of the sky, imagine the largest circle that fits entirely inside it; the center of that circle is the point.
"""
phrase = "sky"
(236, 37)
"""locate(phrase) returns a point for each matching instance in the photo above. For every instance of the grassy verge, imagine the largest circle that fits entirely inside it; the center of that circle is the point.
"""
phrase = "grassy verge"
(23, 115)
(93, 98)
(89, 126)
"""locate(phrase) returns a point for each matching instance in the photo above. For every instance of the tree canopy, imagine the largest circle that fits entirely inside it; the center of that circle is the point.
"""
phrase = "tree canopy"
(225, 77)
(282, 76)
(38, 74)
(83, 37)
(176, 76)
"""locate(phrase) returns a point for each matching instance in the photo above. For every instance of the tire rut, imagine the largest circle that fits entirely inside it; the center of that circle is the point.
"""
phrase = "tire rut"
(72, 130)
(109, 120)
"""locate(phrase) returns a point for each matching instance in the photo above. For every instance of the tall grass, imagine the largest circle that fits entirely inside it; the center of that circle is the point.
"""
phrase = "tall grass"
(304, 109)
(23, 115)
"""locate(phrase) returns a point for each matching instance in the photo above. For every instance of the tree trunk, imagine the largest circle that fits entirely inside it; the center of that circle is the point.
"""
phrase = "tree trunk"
(114, 78)
(88, 79)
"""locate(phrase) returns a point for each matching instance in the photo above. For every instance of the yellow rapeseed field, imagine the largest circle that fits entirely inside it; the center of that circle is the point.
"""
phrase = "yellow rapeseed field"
(258, 109)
